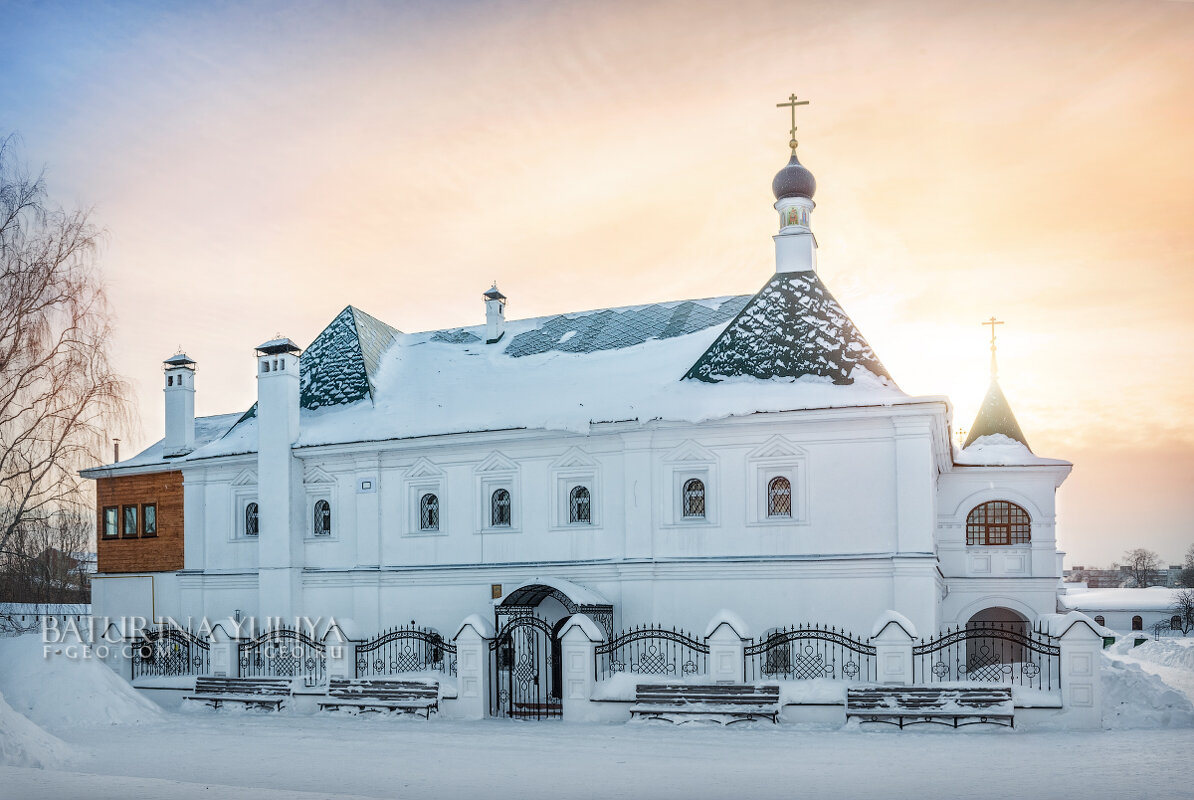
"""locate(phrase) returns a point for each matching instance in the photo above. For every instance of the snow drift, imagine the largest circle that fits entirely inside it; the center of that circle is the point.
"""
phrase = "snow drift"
(23, 744)
(1133, 698)
(59, 693)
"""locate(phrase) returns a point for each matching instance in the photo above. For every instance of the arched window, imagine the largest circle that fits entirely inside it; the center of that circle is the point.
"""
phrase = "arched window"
(779, 497)
(694, 498)
(429, 513)
(579, 506)
(998, 522)
(499, 509)
(1175, 623)
(323, 518)
(251, 519)
(1099, 620)
(1137, 623)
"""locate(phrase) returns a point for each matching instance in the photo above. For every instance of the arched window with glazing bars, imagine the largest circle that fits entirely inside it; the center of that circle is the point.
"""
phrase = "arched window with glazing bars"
(779, 497)
(323, 518)
(251, 519)
(579, 506)
(499, 509)
(998, 522)
(694, 498)
(429, 513)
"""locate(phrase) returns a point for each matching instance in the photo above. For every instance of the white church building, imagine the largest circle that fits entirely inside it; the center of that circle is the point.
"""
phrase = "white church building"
(646, 463)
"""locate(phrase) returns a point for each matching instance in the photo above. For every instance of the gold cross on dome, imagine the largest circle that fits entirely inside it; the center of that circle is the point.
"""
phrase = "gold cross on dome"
(792, 103)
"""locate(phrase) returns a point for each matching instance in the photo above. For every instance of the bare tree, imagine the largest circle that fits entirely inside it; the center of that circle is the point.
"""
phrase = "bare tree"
(47, 564)
(1144, 567)
(59, 396)
(1183, 610)
(1187, 576)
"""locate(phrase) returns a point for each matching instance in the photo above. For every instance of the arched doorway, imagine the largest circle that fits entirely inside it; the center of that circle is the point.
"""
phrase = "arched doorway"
(997, 641)
(525, 663)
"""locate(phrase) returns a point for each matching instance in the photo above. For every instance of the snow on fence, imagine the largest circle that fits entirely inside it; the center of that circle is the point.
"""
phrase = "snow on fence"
(404, 649)
(808, 652)
(651, 651)
(283, 653)
(989, 652)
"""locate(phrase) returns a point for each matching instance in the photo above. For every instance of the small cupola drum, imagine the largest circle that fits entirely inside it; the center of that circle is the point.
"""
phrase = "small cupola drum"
(793, 187)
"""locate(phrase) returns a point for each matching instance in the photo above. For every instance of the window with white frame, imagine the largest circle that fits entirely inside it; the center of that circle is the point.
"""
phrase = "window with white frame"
(779, 497)
(250, 523)
(429, 512)
(499, 509)
(321, 523)
(580, 511)
(693, 499)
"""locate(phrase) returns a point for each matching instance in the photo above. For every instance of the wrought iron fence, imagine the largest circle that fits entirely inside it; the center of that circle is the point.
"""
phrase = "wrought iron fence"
(404, 649)
(990, 652)
(283, 653)
(167, 651)
(651, 651)
(807, 652)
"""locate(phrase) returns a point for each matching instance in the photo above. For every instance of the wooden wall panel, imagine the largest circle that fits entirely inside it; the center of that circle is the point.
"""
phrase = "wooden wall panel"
(162, 553)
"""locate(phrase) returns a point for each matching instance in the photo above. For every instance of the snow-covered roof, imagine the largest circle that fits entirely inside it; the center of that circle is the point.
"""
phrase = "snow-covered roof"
(363, 380)
(997, 450)
(1154, 598)
(792, 329)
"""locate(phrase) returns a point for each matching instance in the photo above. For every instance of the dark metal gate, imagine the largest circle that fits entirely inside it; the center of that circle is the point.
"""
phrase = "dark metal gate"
(169, 651)
(524, 661)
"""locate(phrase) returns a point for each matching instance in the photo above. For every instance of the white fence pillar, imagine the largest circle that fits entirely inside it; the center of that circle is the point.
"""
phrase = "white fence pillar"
(726, 636)
(222, 652)
(581, 636)
(118, 649)
(893, 638)
(341, 653)
(472, 667)
(1081, 682)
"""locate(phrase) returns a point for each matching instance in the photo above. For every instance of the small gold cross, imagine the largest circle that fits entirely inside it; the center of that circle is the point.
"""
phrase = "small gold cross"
(792, 103)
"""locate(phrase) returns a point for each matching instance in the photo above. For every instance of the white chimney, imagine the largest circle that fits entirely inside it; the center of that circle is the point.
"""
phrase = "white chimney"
(279, 478)
(495, 314)
(180, 405)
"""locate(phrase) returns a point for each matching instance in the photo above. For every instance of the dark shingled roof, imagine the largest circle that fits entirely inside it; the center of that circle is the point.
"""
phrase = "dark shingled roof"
(338, 367)
(995, 416)
(612, 329)
(793, 327)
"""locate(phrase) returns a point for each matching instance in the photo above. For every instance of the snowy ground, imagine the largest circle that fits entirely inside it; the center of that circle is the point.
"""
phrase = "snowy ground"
(124, 747)
(226, 756)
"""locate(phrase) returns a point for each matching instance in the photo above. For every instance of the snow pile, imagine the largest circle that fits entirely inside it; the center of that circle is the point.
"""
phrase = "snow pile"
(23, 744)
(1177, 653)
(60, 693)
(1154, 598)
(1133, 698)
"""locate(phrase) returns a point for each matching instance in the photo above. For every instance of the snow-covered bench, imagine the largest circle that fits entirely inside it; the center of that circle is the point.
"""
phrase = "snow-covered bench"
(727, 703)
(259, 692)
(908, 705)
(376, 694)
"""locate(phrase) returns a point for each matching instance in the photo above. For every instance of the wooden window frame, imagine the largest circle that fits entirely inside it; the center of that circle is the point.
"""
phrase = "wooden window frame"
(115, 534)
(998, 523)
(124, 521)
(145, 532)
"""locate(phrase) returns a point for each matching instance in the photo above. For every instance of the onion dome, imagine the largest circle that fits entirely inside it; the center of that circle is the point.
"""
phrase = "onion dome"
(794, 180)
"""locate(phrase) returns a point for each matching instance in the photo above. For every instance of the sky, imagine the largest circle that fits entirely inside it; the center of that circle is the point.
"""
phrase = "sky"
(258, 166)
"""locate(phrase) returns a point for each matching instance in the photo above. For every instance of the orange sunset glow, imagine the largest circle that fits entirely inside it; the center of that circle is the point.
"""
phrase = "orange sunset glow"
(259, 168)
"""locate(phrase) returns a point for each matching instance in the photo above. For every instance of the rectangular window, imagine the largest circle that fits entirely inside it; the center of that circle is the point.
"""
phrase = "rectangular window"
(111, 522)
(130, 522)
(149, 519)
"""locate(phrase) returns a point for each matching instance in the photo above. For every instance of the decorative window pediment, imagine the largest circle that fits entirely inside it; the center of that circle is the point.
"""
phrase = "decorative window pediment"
(423, 469)
(315, 476)
(690, 453)
(574, 458)
(777, 447)
(247, 477)
(496, 463)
